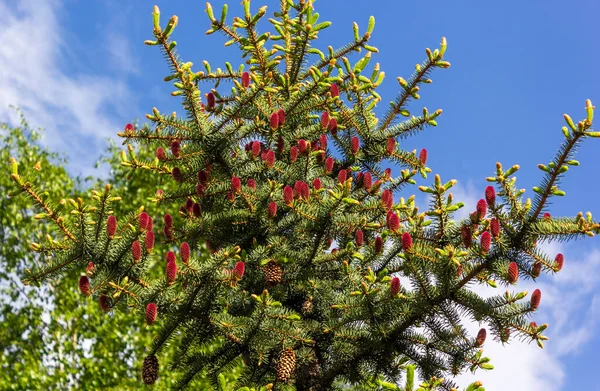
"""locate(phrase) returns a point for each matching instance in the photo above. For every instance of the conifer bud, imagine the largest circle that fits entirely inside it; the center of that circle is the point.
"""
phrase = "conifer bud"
(202, 176)
(177, 175)
(280, 145)
(245, 79)
(255, 147)
(143, 220)
(175, 148)
(354, 145)
(495, 227)
(533, 325)
(513, 272)
(387, 198)
(547, 215)
(168, 220)
(394, 224)
(151, 313)
(481, 208)
(407, 241)
(378, 245)
(185, 252)
(536, 269)
(288, 195)
(272, 209)
(323, 141)
(90, 270)
(136, 251)
(210, 101)
(236, 184)
(490, 195)
(328, 165)
(367, 181)
(333, 126)
(281, 117)
(467, 236)
(196, 209)
(536, 297)
(391, 145)
(423, 156)
(129, 128)
(302, 146)
(84, 286)
(359, 237)
(239, 269)
(334, 90)
(342, 176)
(559, 261)
(395, 286)
(270, 158)
(293, 154)
(171, 272)
(149, 240)
(485, 241)
(481, 335)
(324, 120)
(160, 153)
(274, 121)
(316, 184)
(104, 302)
(111, 226)
(251, 183)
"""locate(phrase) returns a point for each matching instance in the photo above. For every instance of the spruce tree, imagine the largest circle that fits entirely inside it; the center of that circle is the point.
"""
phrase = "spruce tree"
(292, 252)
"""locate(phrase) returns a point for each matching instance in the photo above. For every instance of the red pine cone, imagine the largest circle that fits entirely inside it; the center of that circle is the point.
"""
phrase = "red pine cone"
(378, 244)
(481, 208)
(391, 145)
(485, 241)
(407, 241)
(251, 183)
(342, 175)
(467, 236)
(547, 215)
(196, 209)
(293, 154)
(245, 79)
(354, 145)
(536, 297)
(84, 286)
(111, 226)
(177, 174)
(236, 184)
(149, 240)
(185, 252)
(255, 148)
(188, 204)
(143, 220)
(394, 223)
(104, 302)
(280, 145)
(359, 237)
(281, 116)
(533, 325)
(328, 165)
(168, 220)
(513, 272)
(333, 126)
(90, 270)
(334, 90)
(395, 286)
(423, 156)
(324, 120)
(559, 261)
(150, 224)
(170, 256)
(316, 183)
(270, 158)
(387, 198)
(367, 180)
(490, 195)
(129, 128)
(151, 313)
(160, 153)
(175, 148)
(274, 121)
(298, 189)
(323, 141)
(495, 227)
(171, 272)
(272, 209)
(481, 335)
(302, 145)
(288, 195)
(202, 176)
(304, 190)
(210, 101)
(136, 251)
(239, 269)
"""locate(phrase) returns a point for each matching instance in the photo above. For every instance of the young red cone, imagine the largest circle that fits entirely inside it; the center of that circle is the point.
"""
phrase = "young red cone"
(280, 145)
(333, 126)
(175, 148)
(245, 79)
(359, 237)
(236, 184)
(151, 313)
(293, 154)
(378, 245)
(324, 120)
(387, 198)
(513, 272)
(423, 156)
(251, 183)
(171, 272)
(281, 117)
(394, 223)
(495, 227)
(111, 226)
(485, 241)
(316, 184)
(407, 241)
(334, 90)
(274, 121)
(136, 251)
(481, 335)
(536, 297)
(547, 215)
(168, 220)
(328, 165)
(196, 209)
(354, 145)
(391, 145)
(185, 252)
(342, 176)
(559, 261)
(367, 180)
(129, 128)
(288, 195)
(481, 208)
(302, 145)
(272, 209)
(143, 220)
(170, 257)
(90, 270)
(104, 302)
(160, 153)
(210, 101)
(490, 195)
(536, 269)
(467, 235)
(202, 176)
(149, 240)
(177, 174)
(239, 269)
(255, 147)
(84, 286)
(323, 141)
(395, 286)
(270, 158)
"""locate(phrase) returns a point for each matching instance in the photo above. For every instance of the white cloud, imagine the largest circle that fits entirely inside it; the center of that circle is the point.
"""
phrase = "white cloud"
(72, 106)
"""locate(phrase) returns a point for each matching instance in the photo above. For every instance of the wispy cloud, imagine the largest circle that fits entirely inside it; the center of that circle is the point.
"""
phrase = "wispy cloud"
(73, 107)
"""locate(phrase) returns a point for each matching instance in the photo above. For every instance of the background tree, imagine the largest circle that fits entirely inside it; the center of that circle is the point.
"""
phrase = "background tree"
(270, 176)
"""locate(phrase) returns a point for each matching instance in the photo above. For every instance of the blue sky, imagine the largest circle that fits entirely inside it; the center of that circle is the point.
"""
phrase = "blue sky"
(79, 69)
